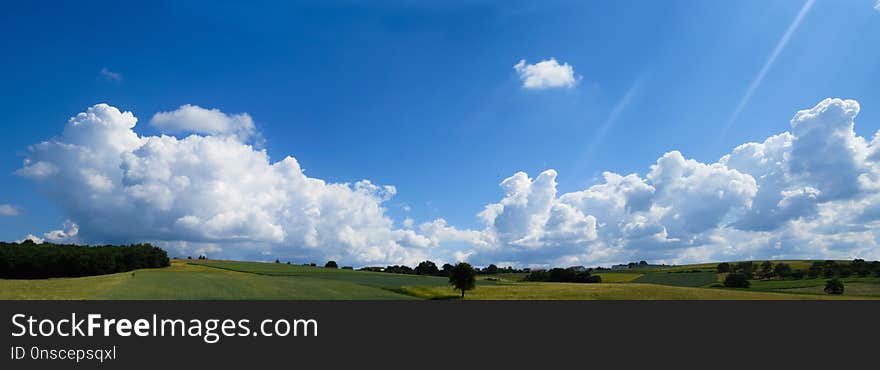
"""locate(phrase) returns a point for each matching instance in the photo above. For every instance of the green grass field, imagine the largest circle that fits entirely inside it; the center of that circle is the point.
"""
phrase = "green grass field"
(854, 286)
(682, 279)
(504, 277)
(366, 278)
(618, 277)
(607, 291)
(189, 282)
(232, 280)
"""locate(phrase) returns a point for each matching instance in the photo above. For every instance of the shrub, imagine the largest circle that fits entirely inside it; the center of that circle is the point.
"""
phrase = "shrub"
(782, 270)
(331, 265)
(746, 268)
(537, 275)
(736, 280)
(834, 286)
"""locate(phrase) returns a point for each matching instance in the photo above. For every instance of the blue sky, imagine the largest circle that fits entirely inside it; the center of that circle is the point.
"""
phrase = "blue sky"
(425, 97)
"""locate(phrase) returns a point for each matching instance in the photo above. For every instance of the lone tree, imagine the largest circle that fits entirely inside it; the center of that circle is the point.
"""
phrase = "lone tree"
(834, 286)
(331, 264)
(463, 277)
(723, 267)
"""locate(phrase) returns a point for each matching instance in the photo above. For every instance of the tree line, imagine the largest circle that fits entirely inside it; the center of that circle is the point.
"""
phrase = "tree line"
(28, 260)
(560, 275)
(740, 273)
(430, 268)
(557, 274)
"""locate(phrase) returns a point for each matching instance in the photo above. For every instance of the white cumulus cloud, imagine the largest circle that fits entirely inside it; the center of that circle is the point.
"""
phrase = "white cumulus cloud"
(813, 192)
(193, 119)
(211, 192)
(810, 192)
(545, 74)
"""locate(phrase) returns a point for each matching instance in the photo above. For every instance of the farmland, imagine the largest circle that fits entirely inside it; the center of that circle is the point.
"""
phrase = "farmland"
(235, 280)
(606, 291)
(679, 278)
(365, 278)
(190, 282)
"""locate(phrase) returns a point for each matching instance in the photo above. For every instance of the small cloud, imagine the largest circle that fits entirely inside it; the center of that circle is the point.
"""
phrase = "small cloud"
(195, 119)
(66, 235)
(31, 237)
(546, 74)
(109, 75)
(8, 210)
(877, 6)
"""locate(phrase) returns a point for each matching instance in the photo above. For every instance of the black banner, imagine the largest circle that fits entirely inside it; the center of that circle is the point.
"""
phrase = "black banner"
(453, 334)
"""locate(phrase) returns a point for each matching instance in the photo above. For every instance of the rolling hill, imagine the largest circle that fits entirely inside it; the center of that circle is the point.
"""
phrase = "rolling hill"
(236, 280)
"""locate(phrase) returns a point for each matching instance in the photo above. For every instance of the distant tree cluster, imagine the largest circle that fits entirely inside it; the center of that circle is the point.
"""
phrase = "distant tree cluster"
(740, 273)
(560, 275)
(492, 269)
(831, 269)
(427, 268)
(399, 269)
(766, 270)
(28, 260)
(430, 268)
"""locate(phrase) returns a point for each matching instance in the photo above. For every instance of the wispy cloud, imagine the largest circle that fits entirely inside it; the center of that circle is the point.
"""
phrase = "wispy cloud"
(877, 6)
(8, 210)
(618, 109)
(109, 75)
(756, 83)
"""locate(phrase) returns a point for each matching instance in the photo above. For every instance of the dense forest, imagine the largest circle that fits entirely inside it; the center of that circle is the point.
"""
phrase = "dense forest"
(28, 260)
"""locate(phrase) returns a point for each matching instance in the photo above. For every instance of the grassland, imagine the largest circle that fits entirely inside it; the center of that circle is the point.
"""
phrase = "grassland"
(607, 291)
(504, 277)
(679, 278)
(191, 282)
(618, 277)
(232, 280)
(854, 286)
(366, 278)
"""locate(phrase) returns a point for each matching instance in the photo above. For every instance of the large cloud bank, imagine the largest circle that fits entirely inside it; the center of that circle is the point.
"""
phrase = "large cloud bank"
(812, 192)
(211, 194)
